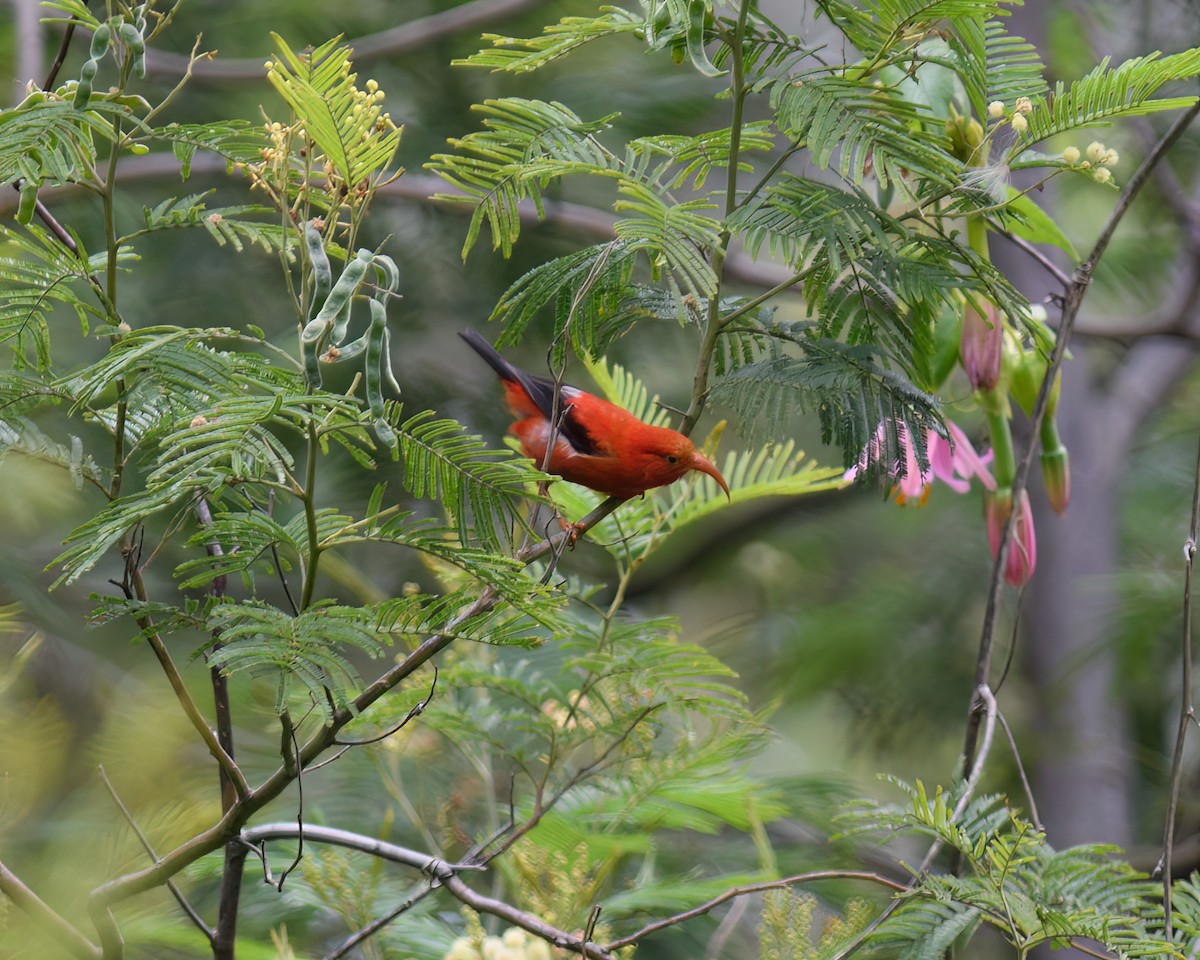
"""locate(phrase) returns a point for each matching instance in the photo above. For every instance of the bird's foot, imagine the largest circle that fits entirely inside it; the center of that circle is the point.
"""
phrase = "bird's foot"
(574, 531)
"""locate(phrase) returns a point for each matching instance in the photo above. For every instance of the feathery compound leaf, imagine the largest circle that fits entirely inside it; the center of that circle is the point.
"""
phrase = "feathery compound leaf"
(1106, 94)
(589, 289)
(675, 236)
(557, 40)
(866, 124)
(346, 124)
(525, 143)
(876, 26)
(226, 225)
(1013, 67)
(850, 391)
(308, 650)
(38, 273)
(22, 436)
(479, 486)
(44, 139)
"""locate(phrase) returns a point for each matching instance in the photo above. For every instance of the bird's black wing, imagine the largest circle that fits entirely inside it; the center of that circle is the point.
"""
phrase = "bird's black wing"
(540, 391)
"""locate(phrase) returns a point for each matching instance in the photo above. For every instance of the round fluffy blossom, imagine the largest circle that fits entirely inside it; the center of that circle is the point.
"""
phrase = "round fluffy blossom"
(1071, 155)
(996, 109)
(1019, 123)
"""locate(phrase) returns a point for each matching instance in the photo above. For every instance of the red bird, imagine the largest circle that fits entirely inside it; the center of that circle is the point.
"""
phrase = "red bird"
(598, 444)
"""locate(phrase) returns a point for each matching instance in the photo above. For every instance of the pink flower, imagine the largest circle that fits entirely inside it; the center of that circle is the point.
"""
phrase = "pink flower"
(1021, 559)
(953, 461)
(981, 346)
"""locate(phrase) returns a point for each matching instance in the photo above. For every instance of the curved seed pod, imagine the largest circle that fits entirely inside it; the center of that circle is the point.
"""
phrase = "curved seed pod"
(312, 363)
(131, 36)
(389, 274)
(387, 360)
(351, 350)
(29, 192)
(344, 289)
(100, 40)
(83, 91)
(340, 323)
(318, 259)
(374, 366)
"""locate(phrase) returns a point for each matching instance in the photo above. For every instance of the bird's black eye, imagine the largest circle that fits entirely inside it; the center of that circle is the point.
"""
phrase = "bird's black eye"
(671, 458)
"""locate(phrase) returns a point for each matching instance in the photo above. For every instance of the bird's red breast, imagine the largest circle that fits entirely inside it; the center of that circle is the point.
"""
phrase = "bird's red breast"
(597, 444)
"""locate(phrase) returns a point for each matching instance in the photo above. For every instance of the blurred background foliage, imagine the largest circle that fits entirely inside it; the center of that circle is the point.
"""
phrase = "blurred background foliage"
(855, 620)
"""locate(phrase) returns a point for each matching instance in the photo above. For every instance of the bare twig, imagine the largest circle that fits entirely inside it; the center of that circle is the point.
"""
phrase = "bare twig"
(1186, 709)
(753, 888)
(145, 842)
(417, 709)
(63, 933)
(1012, 742)
(434, 867)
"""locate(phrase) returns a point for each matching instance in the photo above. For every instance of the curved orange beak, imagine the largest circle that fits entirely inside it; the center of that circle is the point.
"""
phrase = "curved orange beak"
(704, 465)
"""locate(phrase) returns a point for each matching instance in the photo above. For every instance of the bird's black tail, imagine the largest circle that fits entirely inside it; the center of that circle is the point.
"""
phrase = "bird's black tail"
(480, 345)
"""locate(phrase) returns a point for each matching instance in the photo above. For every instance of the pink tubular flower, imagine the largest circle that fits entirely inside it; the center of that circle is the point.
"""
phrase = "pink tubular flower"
(1021, 560)
(952, 461)
(981, 346)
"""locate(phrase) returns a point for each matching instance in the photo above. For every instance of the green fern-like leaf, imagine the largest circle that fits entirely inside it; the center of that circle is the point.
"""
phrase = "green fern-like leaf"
(308, 651)
(836, 114)
(557, 40)
(345, 123)
(38, 273)
(1106, 94)
(479, 486)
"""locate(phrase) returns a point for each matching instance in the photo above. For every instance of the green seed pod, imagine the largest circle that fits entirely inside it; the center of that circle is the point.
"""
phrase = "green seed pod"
(341, 323)
(348, 352)
(312, 363)
(318, 260)
(376, 341)
(132, 38)
(29, 192)
(344, 289)
(100, 41)
(83, 90)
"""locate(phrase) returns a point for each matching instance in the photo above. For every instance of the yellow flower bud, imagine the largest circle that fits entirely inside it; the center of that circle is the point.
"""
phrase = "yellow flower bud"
(996, 109)
(1024, 106)
(1071, 155)
(1102, 175)
(1019, 123)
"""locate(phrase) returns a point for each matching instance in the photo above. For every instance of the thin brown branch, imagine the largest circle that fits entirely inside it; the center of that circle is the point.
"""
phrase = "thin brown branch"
(1073, 297)
(1186, 710)
(409, 37)
(749, 889)
(65, 935)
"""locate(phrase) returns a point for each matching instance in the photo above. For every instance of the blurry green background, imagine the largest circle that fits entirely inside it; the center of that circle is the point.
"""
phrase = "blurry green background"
(857, 618)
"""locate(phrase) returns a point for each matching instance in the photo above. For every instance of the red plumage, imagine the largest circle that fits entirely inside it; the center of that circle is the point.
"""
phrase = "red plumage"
(598, 444)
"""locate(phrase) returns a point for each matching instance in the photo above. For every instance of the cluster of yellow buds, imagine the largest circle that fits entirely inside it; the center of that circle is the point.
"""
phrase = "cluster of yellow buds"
(998, 110)
(515, 944)
(1099, 159)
